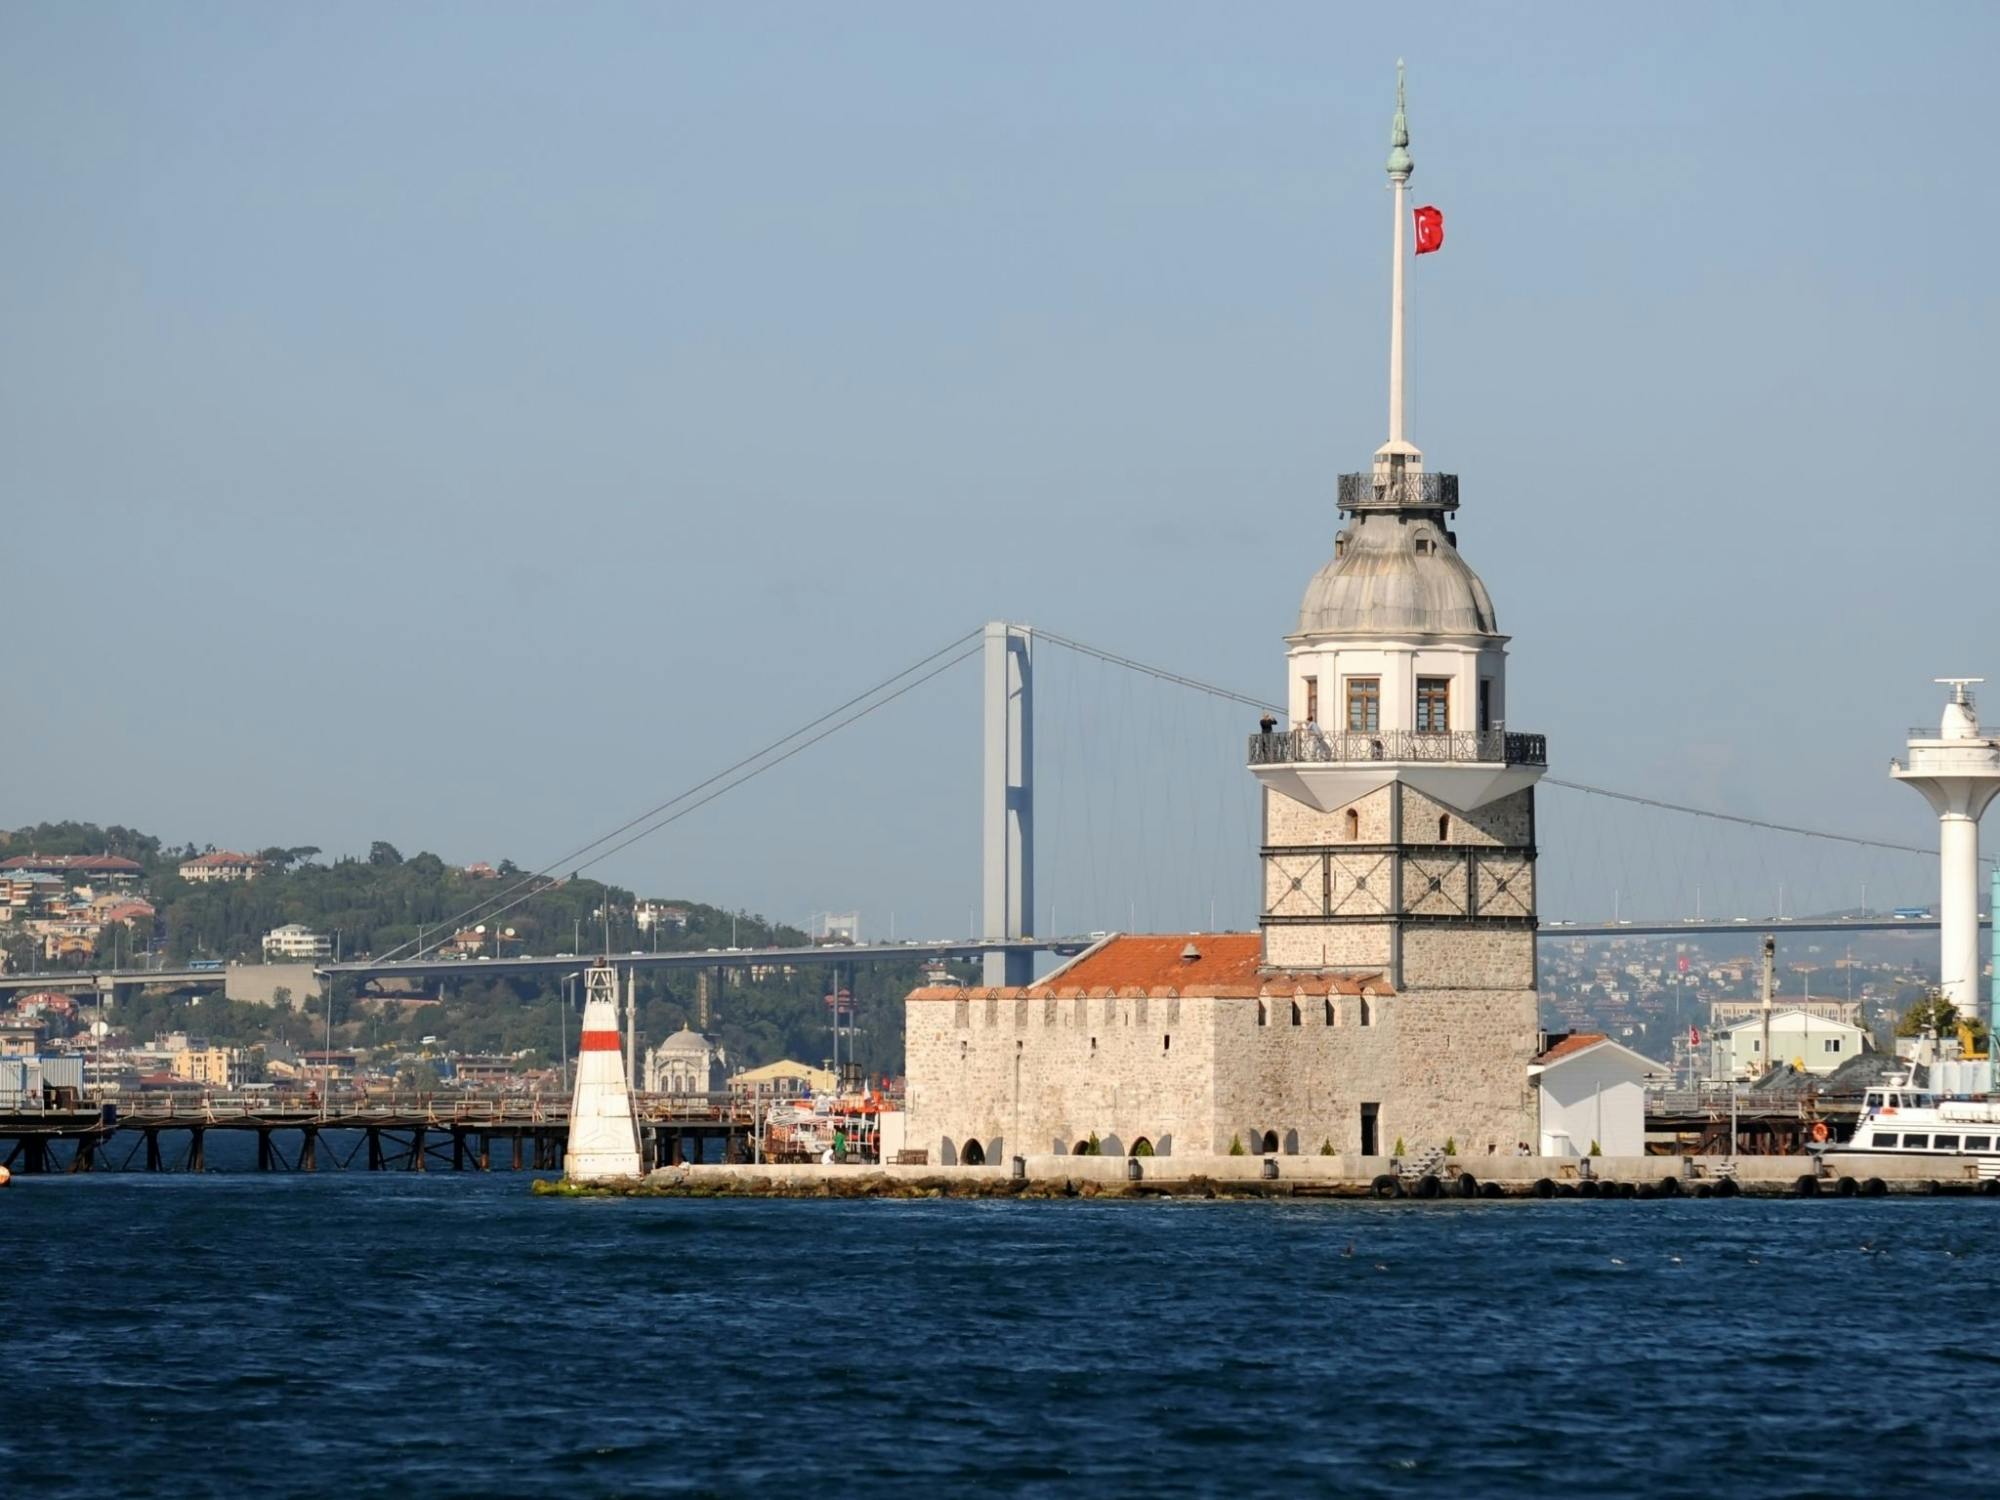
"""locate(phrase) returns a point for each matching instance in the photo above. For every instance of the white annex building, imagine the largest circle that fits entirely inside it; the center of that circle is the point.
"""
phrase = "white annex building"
(1593, 1094)
(1389, 994)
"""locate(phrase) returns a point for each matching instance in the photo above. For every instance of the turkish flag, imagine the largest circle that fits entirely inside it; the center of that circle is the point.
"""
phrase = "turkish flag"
(1430, 229)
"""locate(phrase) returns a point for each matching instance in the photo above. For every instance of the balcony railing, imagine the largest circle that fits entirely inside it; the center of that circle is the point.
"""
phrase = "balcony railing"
(1398, 491)
(1310, 746)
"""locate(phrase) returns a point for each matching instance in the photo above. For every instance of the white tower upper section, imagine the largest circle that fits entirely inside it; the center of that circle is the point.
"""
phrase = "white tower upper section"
(1958, 771)
(1397, 670)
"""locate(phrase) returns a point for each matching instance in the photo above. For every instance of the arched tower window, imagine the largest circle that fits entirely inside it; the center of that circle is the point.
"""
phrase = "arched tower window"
(1263, 1016)
(1297, 1019)
(1329, 1012)
(1353, 826)
(1366, 1016)
(1444, 829)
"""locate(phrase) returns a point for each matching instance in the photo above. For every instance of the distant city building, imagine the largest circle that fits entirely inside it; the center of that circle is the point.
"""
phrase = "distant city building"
(319, 1064)
(782, 1080)
(82, 866)
(31, 890)
(685, 1063)
(1811, 1043)
(1723, 1013)
(482, 871)
(646, 913)
(295, 941)
(196, 1060)
(224, 864)
(838, 927)
(483, 1070)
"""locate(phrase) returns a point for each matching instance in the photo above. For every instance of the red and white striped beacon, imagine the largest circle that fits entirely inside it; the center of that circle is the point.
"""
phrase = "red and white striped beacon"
(603, 1135)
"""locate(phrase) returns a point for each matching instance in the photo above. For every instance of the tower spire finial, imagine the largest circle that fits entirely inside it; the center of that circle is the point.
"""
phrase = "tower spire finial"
(1400, 164)
(1397, 452)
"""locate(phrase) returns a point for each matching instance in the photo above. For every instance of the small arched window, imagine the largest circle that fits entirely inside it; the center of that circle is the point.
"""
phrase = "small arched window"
(1296, 1017)
(1353, 825)
(1263, 1016)
(1366, 1016)
(1329, 1012)
(1444, 829)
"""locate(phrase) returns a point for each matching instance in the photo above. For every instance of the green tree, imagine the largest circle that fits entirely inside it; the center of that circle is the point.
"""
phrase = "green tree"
(1935, 1013)
(382, 852)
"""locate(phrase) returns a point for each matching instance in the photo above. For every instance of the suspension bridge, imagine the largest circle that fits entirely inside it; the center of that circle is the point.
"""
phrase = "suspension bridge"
(1138, 815)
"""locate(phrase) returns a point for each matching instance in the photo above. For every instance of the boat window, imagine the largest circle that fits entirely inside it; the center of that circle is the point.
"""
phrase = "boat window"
(1944, 1143)
(1884, 1143)
(1979, 1143)
(1916, 1142)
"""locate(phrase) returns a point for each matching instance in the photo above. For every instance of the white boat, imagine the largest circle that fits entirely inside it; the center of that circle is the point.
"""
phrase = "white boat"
(1898, 1119)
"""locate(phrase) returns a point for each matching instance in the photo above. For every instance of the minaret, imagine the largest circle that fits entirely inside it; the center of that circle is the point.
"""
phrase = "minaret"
(1958, 771)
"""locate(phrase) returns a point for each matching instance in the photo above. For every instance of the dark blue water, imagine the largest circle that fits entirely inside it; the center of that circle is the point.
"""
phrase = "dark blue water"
(359, 1335)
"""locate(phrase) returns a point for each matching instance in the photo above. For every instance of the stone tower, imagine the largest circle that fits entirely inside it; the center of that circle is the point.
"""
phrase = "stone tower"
(1399, 822)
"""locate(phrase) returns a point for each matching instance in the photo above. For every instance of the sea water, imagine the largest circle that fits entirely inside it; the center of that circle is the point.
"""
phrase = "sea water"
(354, 1334)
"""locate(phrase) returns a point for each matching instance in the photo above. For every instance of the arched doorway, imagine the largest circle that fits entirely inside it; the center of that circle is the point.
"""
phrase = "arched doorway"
(1269, 1145)
(1081, 1148)
(973, 1155)
(1142, 1147)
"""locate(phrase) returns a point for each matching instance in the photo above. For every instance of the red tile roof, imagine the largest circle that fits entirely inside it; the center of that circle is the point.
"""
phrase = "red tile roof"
(1228, 964)
(1569, 1046)
(78, 864)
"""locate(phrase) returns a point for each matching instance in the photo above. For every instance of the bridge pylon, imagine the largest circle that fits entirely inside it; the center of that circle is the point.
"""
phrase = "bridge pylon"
(1007, 799)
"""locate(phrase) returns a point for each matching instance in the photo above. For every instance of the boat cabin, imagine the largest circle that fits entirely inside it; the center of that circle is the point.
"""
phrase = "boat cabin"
(1882, 1100)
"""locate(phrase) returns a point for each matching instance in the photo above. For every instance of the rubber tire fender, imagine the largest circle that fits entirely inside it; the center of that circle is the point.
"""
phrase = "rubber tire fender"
(1806, 1187)
(1544, 1187)
(1388, 1185)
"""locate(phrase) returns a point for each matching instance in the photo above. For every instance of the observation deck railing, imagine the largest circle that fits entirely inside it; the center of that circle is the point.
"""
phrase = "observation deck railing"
(1311, 746)
(1398, 491)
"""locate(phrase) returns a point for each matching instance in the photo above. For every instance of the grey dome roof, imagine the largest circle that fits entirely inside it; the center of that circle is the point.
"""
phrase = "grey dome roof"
(1394, 576)
(685, 1040)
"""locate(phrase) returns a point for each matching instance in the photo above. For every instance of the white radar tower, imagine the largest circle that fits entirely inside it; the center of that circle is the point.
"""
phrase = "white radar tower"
(1958, 771)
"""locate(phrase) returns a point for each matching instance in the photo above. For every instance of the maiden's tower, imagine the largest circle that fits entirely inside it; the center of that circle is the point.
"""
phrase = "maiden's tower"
(1389, 993)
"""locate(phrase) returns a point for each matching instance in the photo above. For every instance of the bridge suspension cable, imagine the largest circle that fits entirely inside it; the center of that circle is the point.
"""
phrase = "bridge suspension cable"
(1233, 696)
(749, 767)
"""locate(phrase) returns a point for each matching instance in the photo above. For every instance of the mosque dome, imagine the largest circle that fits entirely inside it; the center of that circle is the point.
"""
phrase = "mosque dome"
(1394, 576)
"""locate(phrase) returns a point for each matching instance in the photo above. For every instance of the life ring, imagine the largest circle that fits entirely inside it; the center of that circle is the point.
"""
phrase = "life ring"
(1819, 1131)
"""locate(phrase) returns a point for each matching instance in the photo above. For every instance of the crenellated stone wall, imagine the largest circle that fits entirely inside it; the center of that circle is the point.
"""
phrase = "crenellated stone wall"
(1193, 1074)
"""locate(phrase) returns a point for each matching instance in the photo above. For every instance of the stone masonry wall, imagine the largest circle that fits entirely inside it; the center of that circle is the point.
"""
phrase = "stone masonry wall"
(1033, 1075)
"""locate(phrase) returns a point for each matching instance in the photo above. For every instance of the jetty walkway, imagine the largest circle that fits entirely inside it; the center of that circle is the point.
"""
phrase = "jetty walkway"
(414, 1132)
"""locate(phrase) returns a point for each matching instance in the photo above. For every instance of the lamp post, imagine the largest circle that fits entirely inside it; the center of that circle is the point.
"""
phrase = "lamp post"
(564, 1003)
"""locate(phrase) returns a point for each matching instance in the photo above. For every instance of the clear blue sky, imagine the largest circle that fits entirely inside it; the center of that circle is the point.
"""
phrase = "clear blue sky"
(464, 424)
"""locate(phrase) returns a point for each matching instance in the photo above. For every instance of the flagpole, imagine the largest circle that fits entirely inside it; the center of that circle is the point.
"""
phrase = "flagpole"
(1400, 167)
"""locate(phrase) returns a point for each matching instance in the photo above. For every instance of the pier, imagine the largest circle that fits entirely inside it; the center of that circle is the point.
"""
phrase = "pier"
(415, 1133)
